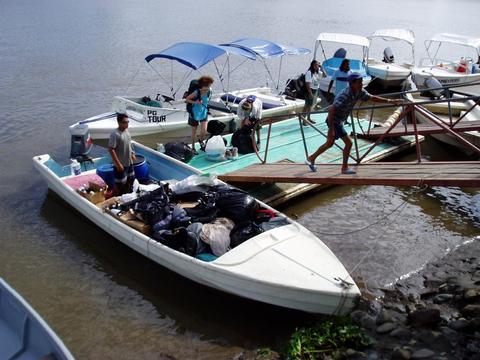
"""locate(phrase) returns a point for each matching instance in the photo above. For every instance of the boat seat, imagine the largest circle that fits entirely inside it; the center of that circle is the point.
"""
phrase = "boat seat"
(236, 100)
(77, 181)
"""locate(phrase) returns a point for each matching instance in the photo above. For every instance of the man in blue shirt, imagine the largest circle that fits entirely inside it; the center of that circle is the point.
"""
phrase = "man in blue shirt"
(338, 113)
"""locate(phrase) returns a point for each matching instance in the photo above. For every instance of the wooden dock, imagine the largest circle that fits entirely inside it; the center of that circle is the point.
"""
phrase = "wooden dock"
(422, 129)
(463, 174)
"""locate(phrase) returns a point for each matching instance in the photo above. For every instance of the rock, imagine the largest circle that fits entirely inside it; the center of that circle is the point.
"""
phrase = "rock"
(474, 324)
(424, 317)
(383, 317)
(442, 298)
(401, 354)
(472, 295)
(423, 354)
(386, 328)
(368, 322)
(471, 310)
(401, 333)
(410, 308)
(458, 325)
(357, 316)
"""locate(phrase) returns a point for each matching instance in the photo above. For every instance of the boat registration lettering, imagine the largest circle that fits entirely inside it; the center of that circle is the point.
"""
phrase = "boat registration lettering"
(154, 118)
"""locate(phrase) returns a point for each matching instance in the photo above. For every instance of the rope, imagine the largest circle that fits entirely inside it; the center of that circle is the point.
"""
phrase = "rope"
(423, 188)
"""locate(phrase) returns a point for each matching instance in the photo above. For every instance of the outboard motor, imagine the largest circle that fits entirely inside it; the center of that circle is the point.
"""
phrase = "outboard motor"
(433, 83)
(388, 55)
(81, 144)
(340, 53)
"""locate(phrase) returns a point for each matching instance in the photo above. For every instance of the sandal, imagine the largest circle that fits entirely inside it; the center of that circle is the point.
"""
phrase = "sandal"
(311, 166)
(349, 171)
(194, 152)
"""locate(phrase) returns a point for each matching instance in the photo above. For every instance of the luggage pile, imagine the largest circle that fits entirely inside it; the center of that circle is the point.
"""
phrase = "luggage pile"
(198, 216)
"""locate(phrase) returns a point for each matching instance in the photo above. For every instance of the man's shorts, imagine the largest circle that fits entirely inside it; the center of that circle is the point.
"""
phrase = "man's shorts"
(193, 122)
(339, 130)
(122, 176)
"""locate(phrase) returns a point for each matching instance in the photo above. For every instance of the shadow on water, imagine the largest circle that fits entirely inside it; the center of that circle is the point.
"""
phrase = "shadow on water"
(193, 307)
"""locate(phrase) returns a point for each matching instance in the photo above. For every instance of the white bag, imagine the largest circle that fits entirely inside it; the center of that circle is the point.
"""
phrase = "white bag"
(217, 235)
(215, 148)
(192, 181)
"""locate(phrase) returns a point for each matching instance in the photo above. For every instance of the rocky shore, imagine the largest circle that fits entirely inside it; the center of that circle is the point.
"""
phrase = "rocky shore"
(434, 314)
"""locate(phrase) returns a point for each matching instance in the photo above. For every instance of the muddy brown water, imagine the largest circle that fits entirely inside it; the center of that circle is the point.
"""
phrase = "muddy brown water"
(61, 61)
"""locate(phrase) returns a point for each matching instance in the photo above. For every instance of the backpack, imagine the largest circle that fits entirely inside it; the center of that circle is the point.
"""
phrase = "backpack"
(296, 88)
(193, 86)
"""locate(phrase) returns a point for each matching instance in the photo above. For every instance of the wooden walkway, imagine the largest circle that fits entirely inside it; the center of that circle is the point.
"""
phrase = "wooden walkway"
(423, 129)
(464, 174)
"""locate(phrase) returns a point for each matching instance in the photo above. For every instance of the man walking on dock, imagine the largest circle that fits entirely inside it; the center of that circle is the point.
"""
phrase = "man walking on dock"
(338, 113)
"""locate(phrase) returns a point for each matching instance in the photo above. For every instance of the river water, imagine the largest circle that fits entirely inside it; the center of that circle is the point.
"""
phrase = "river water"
(63, 60)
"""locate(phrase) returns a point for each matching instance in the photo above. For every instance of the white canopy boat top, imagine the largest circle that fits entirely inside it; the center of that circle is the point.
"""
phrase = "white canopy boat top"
(446, 71)
(387, 70)
(330, 65)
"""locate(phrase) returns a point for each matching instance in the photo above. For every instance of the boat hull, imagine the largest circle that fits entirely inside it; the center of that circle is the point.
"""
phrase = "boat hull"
(232, 273)
(23, 333)
(441, 111)
(172, 121)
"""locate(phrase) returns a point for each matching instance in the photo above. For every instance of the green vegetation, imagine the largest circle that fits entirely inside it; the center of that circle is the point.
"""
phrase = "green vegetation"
(329, 337)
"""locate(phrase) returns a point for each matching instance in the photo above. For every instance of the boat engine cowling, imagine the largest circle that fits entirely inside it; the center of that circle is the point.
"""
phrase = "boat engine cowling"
(81, 143)
(388, 55)
(433, 83)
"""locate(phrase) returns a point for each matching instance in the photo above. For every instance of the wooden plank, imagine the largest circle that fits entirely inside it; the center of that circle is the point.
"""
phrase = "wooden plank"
(464, 174)
(423, 129)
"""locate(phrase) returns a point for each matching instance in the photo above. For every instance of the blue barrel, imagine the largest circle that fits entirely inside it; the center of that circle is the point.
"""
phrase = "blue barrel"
(140, 167)
(105, 171)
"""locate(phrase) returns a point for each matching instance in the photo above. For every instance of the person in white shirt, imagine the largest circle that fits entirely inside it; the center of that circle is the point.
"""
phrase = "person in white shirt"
(312, 83)
(250, 113)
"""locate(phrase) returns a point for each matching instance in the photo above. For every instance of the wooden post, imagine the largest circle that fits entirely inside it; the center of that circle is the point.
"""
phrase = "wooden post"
(417, 143)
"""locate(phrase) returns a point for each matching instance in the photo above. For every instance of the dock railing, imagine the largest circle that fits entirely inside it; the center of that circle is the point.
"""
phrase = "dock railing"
(409, 110)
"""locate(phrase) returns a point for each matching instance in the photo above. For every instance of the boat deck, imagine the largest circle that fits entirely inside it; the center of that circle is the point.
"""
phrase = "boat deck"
(465, 174)
(286, 147)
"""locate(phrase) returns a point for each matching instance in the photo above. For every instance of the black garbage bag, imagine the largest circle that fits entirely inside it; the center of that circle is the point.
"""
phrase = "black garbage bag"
(179, 151)
(215, 127)
(179, 239)
(235, 204)
(153, 206)
(243, 231)
(205, 212)
(242, 139)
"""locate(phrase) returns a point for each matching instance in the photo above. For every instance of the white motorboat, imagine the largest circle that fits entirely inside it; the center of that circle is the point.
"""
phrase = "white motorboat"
(466, 109)
(23, 332)
(387, 71)
(463, 70)
(286, 266)
(330, 65)
(169, 116)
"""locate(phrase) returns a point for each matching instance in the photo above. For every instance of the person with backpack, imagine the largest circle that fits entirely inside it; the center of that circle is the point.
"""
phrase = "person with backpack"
(198, 110)
(250, 113)
(312, 83)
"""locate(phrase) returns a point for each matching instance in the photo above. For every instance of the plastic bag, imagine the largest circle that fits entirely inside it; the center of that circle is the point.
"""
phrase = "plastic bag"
(179, 239)
(215, 149)
(235, 204)
(194, 180)
(217, 235)
(244, 231)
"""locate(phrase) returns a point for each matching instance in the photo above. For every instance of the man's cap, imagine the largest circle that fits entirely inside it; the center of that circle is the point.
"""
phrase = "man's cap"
(251, 98)
(354, 76)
